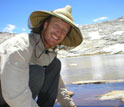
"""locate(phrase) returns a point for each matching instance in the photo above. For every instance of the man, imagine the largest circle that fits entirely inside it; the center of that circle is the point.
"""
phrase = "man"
(29, 66)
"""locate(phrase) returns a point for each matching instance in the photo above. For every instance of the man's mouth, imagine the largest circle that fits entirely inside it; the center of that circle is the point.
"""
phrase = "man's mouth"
(54, 37)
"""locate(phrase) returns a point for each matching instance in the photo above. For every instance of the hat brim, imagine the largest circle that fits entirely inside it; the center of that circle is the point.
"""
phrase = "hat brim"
(74, 37)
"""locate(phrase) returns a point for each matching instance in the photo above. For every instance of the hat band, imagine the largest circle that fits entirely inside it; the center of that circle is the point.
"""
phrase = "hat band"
(64, 17)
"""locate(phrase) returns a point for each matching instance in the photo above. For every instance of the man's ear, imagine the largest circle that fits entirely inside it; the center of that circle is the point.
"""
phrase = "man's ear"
(45, 25)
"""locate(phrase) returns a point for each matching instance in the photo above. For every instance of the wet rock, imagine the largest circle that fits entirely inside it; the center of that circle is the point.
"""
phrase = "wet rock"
(97, 82)
(113, 95)
(122, 99)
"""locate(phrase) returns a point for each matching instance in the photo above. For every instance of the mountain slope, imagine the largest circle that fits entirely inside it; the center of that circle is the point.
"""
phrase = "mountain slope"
(100, 38)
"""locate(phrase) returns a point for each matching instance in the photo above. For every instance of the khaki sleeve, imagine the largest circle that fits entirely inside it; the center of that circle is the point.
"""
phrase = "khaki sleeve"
(63, 98)
(15, 76)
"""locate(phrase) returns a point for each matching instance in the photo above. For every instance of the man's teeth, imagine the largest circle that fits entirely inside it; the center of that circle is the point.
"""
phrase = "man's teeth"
(55, 37)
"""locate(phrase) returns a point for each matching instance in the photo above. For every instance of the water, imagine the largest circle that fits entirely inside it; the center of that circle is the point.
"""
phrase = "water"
(100, 67)
(88, 95)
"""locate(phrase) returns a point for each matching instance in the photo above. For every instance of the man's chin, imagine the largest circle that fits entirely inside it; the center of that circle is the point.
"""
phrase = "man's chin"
(51, 46)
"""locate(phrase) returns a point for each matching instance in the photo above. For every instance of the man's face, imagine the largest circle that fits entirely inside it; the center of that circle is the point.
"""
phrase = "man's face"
(54, 31)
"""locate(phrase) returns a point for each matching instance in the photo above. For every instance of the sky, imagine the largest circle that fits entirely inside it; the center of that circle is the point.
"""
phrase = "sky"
(14, 14)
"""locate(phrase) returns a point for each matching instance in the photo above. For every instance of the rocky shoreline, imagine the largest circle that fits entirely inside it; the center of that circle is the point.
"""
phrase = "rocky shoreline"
(97, 82)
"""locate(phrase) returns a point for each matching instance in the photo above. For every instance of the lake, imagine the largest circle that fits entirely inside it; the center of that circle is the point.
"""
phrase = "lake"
(99, 67)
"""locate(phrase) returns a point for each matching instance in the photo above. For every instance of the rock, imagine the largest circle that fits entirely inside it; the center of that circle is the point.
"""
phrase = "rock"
(113, 95)
(5, 35)
(97, 82)
(122, 99)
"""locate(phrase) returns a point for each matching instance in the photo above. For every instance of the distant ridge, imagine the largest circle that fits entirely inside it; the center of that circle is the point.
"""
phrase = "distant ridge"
(101, 38)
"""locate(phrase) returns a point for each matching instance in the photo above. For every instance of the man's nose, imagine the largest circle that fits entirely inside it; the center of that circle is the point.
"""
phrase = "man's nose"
(59, 31)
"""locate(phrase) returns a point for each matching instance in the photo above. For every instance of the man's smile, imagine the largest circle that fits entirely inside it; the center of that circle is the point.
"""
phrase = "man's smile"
(54, 37)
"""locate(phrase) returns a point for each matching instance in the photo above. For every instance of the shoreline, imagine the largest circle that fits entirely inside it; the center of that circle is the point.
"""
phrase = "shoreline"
(97, 95)
(97, 82)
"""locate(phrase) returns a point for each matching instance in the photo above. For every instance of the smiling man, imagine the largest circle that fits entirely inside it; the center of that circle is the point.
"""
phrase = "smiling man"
(54, 32)
(30, 68)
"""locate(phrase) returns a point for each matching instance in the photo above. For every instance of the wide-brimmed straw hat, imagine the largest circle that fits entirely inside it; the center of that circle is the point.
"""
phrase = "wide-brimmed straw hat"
(74, 37)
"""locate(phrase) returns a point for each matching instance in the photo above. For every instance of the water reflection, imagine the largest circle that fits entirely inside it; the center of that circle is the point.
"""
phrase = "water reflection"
(92, 68)
(97, 67)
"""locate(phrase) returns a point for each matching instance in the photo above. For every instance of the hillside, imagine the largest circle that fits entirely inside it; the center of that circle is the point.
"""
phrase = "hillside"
(100, 38)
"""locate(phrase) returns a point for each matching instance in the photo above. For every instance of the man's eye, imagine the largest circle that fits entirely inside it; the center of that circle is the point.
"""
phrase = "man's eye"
(56, 25)
(64, 31)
